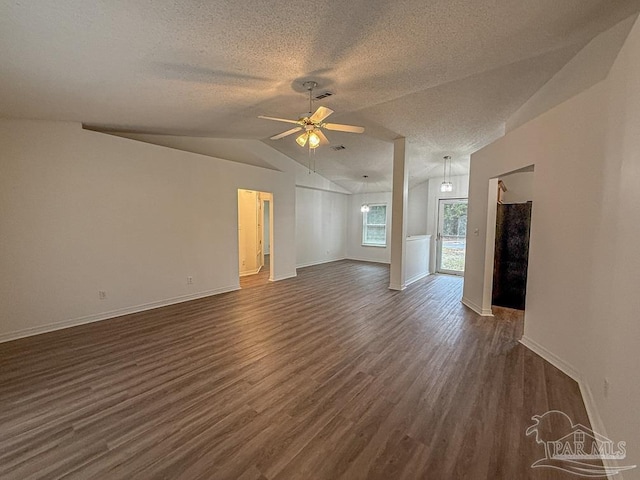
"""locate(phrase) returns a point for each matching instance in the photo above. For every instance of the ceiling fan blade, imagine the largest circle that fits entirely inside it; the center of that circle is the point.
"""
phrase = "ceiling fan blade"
(278, 119)
(343, 128)
(323, 140)
(320, 114)
(284, 134)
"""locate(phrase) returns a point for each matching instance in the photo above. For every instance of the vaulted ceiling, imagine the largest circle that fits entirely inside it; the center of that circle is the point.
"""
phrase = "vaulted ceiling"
(445, 74)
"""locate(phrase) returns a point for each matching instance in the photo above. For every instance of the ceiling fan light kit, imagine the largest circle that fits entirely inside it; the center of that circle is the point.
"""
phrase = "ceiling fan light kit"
(311, 137)
(311, 125)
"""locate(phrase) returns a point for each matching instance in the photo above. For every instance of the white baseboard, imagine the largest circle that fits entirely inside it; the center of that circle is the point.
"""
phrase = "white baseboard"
(368, 260)
(595, 419)
(28, 332)
(486, 312)
(416, 278)
(319, 262)
(551, 357)
(283, 277)
(395, 286)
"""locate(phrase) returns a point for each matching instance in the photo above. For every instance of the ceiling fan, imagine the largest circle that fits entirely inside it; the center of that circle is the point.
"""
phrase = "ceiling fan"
(311, 124)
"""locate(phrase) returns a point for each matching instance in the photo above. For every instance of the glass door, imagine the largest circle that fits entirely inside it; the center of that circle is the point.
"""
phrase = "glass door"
(452, 235)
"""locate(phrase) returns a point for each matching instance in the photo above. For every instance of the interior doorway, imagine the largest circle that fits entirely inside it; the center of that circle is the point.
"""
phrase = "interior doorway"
(511, 256)
(255, 237)
(451, 240)
(512, 232)
(509, 220)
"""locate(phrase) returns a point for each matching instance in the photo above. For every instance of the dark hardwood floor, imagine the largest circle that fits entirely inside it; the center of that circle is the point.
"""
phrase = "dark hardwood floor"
(329, 375)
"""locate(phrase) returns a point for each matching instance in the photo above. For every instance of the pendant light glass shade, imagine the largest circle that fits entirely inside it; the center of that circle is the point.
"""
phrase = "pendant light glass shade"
(311, 137)
(365, 207)
(446, 186)
(314, 140)
(302, 139)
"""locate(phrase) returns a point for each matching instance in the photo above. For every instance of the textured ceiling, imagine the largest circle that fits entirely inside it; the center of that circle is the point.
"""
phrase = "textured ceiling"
(445, 74)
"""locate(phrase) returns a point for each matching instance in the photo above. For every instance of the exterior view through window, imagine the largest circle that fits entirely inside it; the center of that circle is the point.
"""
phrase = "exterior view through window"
(374, 226)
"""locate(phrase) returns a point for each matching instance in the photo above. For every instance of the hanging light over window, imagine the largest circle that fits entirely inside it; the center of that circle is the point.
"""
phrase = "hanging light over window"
(365, 207)
(446, 186)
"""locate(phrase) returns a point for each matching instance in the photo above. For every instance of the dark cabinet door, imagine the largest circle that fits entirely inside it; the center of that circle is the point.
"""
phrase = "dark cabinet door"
(513, 224)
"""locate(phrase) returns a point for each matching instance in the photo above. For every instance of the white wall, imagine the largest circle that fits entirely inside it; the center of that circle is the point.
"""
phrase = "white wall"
(417, 258)
(584, 267)
(417, 209)
(82, 211)
(355, 249)
(519, 187)
(613, 329)
(590, 66)
(321, 226)
(460, 190)
(250, 152)
(310, 247)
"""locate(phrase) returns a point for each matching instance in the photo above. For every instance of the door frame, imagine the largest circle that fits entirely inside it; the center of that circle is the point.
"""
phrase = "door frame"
(439, 268)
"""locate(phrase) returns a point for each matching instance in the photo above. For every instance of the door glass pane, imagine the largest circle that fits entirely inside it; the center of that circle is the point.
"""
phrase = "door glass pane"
(454, 232)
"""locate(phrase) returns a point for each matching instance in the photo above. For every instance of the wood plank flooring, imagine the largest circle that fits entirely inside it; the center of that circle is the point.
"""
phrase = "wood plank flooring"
(258, 279)
(329, 375)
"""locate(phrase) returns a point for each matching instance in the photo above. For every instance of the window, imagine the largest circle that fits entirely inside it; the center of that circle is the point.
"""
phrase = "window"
(374, 226)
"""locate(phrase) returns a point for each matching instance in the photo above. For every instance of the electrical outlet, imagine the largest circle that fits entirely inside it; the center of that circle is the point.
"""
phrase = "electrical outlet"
(102, 294)
(189, 280)
(605, 387)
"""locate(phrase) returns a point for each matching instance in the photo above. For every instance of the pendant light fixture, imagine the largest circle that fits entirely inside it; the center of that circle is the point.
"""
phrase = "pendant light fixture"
(365, 207)
(446, 186)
